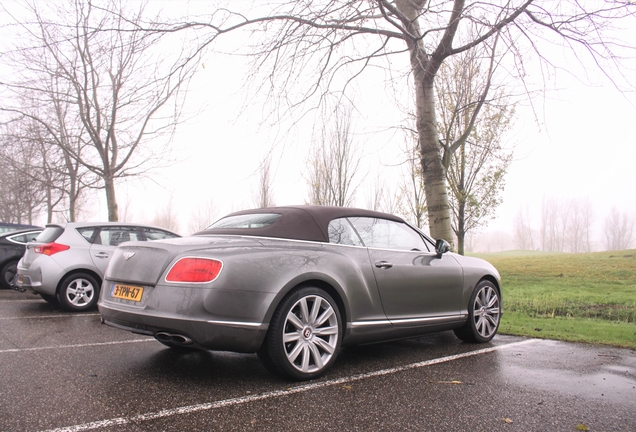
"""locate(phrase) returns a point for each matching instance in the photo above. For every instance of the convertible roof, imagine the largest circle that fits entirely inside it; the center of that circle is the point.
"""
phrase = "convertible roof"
(306, 222)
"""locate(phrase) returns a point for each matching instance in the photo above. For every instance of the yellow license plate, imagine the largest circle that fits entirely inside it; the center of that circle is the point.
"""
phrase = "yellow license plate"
(127, 292)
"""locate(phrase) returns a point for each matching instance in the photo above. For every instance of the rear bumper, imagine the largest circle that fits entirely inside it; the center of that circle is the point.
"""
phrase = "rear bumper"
(32, 279)
(245, 337)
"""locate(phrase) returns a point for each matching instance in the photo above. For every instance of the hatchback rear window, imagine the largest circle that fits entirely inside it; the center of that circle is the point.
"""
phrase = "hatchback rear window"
(50, 234)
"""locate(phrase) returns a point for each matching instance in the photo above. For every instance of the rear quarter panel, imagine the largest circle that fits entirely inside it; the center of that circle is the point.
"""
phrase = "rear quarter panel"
(276, 268)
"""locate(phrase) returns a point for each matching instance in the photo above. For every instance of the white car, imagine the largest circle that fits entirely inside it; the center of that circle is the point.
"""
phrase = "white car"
(66, 262)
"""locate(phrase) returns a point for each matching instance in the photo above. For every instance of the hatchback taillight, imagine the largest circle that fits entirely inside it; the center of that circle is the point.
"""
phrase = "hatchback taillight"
(194, 270)
(50, 248)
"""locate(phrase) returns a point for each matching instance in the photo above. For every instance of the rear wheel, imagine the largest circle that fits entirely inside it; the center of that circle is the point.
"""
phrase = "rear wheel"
(78, 292)
(305, 335)
(484, 312)
(7, 274)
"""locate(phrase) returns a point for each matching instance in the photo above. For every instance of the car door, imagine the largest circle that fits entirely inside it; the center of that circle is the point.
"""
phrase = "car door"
(416, 287)
(106, 240)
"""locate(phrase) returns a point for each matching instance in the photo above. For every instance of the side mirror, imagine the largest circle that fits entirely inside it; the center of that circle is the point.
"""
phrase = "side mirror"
(441, 247)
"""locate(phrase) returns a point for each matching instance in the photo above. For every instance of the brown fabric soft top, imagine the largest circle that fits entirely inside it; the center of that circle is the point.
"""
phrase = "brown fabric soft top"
(305, 222)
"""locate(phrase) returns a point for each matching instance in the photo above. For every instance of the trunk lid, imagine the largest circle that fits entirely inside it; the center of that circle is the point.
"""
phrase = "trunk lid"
(144, 263)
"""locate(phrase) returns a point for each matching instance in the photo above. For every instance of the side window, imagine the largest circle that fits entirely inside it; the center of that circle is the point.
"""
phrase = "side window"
(88, 233)
(157, 234)
(112, 236)
(22, 239)
(31, 236)
(386, 234)
(341, 232)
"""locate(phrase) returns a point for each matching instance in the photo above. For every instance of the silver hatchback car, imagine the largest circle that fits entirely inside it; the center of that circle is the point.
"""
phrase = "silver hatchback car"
(66, 262)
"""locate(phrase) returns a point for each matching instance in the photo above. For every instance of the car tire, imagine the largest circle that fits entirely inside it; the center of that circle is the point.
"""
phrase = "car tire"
(484, 313)
(49, 299)
(7, 274)
(78, 292)
(305, 335)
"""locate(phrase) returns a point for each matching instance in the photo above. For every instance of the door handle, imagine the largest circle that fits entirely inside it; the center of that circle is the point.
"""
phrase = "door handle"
(102, 255)
(383, 264)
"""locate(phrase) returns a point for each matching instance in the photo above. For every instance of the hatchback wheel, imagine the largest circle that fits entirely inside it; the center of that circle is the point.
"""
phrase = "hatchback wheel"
(305, 335)
(484, 312)
(7, 274)
(78, 292)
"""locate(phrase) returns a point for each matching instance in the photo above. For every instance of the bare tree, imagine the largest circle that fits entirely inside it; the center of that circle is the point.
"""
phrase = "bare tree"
(334, 163)
(167, 218)
(578, 232)
(264, 194)
(413, 198)
(619, 230)
(383, 198)
(203, 216)
(375, 195)
(20, 198)
(566, 226)
(126, 211)
(474, 159)
(524, 236)
(62, 179)
(105, 80)
(554, 219)
(333, 42)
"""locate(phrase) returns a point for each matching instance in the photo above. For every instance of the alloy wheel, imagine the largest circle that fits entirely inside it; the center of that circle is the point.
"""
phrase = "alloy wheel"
(310, 334)
(486, 311)
(80, 292)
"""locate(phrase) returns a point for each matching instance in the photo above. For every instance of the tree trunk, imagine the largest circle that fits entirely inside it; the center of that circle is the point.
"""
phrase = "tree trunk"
(72, 197)
(424, 70)
(461, 228)
(49, 205)
(432, 169)
(111, 200)
(461, 211)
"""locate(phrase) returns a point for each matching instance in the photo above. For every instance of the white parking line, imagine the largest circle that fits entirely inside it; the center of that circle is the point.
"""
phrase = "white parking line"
(17, 350)
(276, 393)
(50, 316)
(22, 301)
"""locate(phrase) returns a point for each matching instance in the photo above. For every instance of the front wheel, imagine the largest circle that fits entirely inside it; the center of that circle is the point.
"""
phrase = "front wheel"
(305, 335)
(484, 312)
(78, 292)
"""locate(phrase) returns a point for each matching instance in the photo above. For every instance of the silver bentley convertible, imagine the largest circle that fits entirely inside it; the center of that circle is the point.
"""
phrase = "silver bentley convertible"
(294, 284)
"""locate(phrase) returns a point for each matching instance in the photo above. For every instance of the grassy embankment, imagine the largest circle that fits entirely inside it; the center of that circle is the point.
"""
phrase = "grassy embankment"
(573, 297)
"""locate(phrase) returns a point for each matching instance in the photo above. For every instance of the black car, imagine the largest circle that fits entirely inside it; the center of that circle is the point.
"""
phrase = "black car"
(12, 247)
(6, 227)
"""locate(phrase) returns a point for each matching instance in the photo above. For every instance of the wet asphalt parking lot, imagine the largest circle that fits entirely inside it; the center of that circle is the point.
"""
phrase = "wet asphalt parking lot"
(64, 371)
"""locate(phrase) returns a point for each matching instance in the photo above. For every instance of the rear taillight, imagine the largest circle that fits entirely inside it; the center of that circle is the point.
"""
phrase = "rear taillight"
(50, 248)
(194, 270)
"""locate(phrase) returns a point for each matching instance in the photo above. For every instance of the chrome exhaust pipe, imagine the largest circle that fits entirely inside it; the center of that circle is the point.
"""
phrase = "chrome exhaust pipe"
(174, 338)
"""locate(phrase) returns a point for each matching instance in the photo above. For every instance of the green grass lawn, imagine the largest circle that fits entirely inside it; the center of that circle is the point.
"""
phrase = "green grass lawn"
(574, 297)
